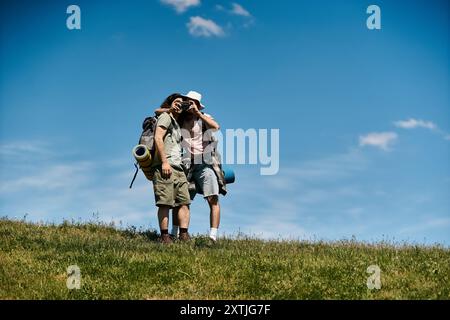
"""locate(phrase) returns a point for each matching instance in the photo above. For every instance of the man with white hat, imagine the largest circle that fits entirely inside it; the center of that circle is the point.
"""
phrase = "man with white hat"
(203, 163)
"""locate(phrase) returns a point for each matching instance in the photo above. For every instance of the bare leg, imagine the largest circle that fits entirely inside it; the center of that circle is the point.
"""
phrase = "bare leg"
(214, 211)
(183, 216)
(163, 217)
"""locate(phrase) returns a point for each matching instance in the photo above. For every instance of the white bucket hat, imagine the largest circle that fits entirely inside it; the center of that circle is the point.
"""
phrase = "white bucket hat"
(197, 97)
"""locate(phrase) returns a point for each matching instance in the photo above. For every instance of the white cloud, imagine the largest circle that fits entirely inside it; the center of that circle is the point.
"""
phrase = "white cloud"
(238, 10)
(417, 123)
(303, 200)
(355, 212)
(273, 228)
(181, 6)
(200, 27)
(47, 178)
(414, 123)
(331, 168)
(23, 148)
(432, 223)
(54, 188)
(382, 140)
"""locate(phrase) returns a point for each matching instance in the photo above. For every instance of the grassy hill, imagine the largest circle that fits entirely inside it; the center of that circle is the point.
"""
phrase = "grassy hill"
(130, 264)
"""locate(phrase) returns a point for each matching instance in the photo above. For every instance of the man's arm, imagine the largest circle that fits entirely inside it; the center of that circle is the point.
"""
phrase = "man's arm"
(159, 111)
(159, 141)
(209, 121)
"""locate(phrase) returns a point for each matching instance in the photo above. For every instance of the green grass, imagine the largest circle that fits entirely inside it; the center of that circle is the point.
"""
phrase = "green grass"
(130, 264)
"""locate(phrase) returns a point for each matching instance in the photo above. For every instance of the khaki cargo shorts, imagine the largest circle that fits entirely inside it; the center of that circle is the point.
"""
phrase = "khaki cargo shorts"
(173, 191)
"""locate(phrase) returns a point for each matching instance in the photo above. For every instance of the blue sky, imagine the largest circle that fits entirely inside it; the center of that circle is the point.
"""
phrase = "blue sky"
(363, 114)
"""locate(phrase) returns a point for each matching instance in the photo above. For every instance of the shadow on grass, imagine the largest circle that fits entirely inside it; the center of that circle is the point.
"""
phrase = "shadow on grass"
(133, 232)
(201, 242)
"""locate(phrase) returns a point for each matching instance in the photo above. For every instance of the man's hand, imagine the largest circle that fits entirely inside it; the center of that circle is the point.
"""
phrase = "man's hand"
(175, 107)
(194, 109)
(166, 170)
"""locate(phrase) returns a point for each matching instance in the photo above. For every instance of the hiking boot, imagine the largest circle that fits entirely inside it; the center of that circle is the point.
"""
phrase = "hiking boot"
(165, 239)
(184, 237)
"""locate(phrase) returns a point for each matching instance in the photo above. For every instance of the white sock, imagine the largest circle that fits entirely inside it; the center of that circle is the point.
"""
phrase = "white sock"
(213, 233)
(174, 230)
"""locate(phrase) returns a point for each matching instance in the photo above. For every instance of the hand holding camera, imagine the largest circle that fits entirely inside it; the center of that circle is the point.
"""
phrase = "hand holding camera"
(194, 109)
(185, 105)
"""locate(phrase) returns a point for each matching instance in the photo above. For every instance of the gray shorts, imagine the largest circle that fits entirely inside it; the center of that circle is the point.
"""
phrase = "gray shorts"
(205, 180)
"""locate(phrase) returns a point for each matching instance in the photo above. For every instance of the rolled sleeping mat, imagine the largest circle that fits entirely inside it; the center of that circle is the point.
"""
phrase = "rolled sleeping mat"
(142, 155)
(229, 174)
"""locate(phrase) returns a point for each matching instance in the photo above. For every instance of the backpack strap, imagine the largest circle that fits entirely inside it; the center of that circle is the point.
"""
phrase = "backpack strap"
(135, 174)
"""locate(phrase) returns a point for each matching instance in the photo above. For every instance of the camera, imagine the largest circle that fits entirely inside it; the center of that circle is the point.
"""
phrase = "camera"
(185, 105)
